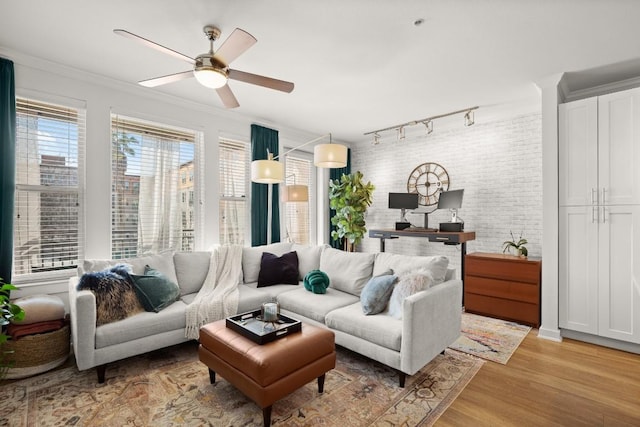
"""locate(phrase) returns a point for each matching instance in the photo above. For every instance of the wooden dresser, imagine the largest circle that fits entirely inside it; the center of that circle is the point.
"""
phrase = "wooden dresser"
(503, 286)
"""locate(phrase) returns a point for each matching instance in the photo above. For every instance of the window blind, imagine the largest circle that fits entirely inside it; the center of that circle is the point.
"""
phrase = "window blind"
(155, 187)
(298, 171)
(48, 222)
(234, 160)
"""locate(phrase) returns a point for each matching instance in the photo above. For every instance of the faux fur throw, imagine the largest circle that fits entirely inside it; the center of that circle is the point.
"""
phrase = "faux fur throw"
(219, 295)
(115, 295)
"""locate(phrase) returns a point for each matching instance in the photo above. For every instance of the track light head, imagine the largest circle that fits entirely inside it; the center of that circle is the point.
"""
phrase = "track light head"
(428, 126)
(376, 138)
(401, 135)
(468, 118)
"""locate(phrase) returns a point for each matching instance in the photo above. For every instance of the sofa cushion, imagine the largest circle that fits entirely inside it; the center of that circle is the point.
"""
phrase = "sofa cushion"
(314, 306)
(142, 325)
(272, 291)
(379, 329)
(376, 293)
(402, 263)
(116, 298)
(348, 271)
(252, 256)
(191, 270)
(155, 291)
(278, 270)
(308, 258)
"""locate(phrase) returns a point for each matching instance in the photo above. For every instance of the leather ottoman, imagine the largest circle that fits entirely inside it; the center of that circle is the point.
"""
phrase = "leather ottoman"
(268, 372)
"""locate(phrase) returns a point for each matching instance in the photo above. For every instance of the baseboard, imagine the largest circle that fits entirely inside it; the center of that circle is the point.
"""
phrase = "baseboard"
(605, 342)
(550, 334)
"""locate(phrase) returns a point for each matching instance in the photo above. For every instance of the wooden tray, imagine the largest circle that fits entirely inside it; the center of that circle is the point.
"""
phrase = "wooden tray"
(251, 326)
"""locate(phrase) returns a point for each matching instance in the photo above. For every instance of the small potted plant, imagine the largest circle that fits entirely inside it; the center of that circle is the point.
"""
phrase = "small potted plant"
(516, 245)
(9, 312)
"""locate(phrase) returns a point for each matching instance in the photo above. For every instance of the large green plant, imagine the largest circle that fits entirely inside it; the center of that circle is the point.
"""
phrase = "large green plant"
(9, 312)
(350, 197)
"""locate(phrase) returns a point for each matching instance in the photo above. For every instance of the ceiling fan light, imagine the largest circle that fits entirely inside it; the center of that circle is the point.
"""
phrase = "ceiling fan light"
(330, 156)
(211, 77)
(267, 171)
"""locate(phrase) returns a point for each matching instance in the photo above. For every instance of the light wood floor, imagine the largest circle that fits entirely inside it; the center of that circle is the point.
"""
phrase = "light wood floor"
(552, 384)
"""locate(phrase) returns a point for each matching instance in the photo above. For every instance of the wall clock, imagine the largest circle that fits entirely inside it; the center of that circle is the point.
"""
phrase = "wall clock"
(428, 179)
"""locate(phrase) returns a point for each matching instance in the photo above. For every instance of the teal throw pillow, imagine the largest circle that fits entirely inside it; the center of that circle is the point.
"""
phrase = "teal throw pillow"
(376, 293)
(316, 281)
(154, 290)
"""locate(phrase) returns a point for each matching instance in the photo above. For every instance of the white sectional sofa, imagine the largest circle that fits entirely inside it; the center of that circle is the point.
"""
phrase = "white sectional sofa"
(430, 321)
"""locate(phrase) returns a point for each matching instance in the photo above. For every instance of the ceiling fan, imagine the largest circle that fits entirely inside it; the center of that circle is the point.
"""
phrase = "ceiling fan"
(211, 69)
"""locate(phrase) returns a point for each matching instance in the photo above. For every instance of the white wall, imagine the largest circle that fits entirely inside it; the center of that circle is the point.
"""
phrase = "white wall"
(498, 163)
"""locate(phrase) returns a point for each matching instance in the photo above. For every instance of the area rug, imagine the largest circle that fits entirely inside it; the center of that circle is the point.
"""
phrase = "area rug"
(491, 339)
(171, 388)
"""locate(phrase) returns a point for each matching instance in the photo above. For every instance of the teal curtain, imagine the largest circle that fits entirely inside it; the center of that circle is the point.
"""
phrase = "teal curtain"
(7, 165)
(263, 139)
(333, 175)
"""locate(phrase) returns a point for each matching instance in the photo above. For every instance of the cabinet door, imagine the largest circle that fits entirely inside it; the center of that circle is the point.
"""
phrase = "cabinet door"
(619, 148)
(578, 268)
(578, 152)
(619, 273)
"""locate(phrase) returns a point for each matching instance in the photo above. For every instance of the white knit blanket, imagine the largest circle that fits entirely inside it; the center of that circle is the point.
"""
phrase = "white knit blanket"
(219, 295)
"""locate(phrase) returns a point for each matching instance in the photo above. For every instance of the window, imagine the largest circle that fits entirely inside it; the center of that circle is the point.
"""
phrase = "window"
(48, 221)
(234, 160)
(298, 170)
(156, 158)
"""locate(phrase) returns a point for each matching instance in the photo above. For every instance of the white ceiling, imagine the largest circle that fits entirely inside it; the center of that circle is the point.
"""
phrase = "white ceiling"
(358, 65)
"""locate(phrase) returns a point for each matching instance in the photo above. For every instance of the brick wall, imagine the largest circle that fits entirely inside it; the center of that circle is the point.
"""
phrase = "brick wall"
(499, 166)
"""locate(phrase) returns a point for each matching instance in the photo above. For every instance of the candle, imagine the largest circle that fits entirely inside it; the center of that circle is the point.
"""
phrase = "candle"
(269, 312)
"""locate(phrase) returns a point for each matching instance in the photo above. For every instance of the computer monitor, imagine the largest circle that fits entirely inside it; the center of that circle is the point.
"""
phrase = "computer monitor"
(403, 201)
(451, 200)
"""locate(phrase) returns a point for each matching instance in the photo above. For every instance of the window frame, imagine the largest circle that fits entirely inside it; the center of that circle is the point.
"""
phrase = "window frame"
(247, 182)
(312, 204)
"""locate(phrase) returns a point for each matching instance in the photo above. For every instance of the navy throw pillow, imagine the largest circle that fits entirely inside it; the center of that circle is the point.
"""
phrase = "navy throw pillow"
(275, 270)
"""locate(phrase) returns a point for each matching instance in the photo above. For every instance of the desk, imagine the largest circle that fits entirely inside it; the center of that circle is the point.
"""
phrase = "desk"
(446, 237)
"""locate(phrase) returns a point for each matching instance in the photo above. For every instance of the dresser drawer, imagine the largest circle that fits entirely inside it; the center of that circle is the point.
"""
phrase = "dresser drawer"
(520, 312)
(516, 291)
(516, 270)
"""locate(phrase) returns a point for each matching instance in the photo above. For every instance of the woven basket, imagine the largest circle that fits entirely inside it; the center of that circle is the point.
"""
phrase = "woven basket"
(33, 354)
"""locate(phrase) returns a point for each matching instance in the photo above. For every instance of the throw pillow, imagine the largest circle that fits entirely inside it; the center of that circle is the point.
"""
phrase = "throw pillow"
(316, 281)
(155, 291)
(275, 270)
(115, 295)
(408, 284)
(376, 293)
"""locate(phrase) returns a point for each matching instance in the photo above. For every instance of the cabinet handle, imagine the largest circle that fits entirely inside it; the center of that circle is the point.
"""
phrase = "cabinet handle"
(594, 212)
(604, 215)
(593, 199)
(604, 191)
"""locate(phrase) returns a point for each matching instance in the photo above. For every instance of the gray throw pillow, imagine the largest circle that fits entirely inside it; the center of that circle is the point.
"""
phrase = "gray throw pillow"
(376, 293)
(155, 291)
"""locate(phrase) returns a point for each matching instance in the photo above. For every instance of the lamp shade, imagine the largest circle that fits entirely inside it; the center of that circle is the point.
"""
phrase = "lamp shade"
(267, 171)
(210, 77)
(330, 156)
(295, 193)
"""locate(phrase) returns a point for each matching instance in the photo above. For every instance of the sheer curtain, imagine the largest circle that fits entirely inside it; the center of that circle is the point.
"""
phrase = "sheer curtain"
(159, 209)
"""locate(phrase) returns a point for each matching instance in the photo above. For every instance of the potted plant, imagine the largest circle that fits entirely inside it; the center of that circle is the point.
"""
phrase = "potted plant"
(9, 311)
(516, 245)
(350, 197)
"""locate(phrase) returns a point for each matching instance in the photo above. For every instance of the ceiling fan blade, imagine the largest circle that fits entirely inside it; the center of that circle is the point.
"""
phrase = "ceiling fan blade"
(228, 98)
(267, 82)
(235, 45)
(153, 45)
(170, 78)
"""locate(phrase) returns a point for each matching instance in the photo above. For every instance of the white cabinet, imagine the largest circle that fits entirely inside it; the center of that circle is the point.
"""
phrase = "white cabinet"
(599, 217)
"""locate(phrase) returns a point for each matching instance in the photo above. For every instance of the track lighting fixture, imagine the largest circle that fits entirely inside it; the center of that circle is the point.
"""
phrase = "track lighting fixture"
(427, 122)
(429, 126)
(468, 118)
